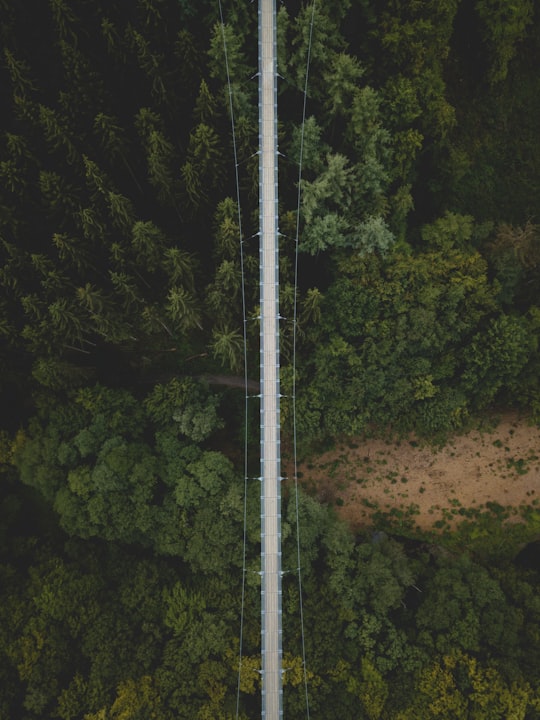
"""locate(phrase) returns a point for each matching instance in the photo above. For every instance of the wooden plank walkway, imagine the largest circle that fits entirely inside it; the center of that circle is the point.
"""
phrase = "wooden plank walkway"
(271, 598)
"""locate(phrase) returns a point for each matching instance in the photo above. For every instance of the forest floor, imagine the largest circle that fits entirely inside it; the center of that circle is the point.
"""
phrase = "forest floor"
(496, 463)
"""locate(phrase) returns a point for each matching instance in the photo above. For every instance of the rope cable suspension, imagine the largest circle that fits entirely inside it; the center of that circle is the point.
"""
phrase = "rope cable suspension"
(272, 691)
(294, 343)
(245, 360)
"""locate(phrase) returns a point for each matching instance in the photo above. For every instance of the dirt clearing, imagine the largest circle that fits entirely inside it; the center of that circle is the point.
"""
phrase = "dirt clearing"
(499, 465)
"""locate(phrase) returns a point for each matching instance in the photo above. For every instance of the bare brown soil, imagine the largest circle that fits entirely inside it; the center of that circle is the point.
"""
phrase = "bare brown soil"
(496, 465)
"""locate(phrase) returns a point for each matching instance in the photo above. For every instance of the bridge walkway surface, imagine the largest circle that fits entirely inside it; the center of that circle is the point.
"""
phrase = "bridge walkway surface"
(271, 574)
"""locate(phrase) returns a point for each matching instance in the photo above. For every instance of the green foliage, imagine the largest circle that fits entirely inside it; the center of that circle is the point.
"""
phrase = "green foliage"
(514, 253)
(328, 208)
(496, 358)
(119, 261)
(506, 26)
(188, 404)
(314, 151)
(227, 347)
(342, 78)
(416, 44)
(90, 460)
(465, 612)
(448, 232)
(396, 345)
(98, 629)
(459, 686)
(326, 43)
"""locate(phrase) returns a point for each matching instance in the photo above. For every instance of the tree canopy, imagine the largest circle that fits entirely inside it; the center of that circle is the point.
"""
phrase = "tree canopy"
(122, 298)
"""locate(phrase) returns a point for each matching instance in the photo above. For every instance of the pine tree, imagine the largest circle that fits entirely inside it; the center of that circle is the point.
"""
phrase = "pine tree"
(57, 135)
(113, 40)
(126, 287)
(188, 58)
(205, 155)
(159, 155)
(72, 252)
(64, 20)
(183, 309)
(192, 186)
(179, 267)
(150, 63)
(19, 72)
(60, 197)
(113, 142)
(148, 242)
(91, 224)
(66, 321)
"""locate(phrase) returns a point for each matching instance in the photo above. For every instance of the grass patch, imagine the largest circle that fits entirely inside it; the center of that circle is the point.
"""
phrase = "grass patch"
(520, 466)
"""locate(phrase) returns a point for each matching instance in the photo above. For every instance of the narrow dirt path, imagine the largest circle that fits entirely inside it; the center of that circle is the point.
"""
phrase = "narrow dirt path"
(497, 465)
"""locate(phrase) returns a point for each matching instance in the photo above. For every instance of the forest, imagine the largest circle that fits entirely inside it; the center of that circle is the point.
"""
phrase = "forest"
(410, 296)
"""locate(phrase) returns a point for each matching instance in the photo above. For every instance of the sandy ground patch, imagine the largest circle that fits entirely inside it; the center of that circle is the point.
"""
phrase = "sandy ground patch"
(500, 465)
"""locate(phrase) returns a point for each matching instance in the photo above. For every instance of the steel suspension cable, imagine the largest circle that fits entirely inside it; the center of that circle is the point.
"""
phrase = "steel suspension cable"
(245, 360)
(295, 322)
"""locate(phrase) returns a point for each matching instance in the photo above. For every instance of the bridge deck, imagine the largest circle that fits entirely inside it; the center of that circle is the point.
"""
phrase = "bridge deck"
(272, 707)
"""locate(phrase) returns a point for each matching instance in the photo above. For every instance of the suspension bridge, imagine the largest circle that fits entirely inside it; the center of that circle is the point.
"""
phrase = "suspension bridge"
(271, 605)
(270, 427)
